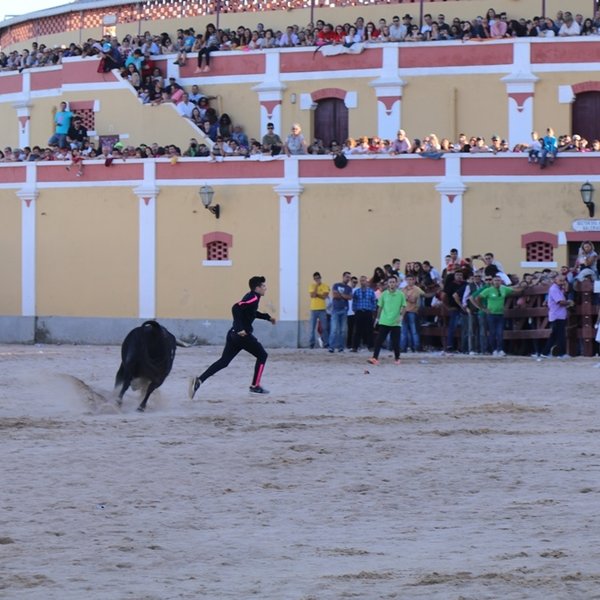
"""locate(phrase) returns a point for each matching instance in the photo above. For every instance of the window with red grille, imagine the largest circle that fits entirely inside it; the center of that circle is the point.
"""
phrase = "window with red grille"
(217, 250)
(540, 252)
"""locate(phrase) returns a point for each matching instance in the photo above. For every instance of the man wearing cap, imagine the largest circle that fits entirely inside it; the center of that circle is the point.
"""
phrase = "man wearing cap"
(271, 142)
(78, 134)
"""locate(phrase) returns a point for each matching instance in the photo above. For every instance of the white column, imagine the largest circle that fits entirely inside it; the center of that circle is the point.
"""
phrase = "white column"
(28, 196)
(270, 94)
(147, 194)
(388, 90)
(289, 242)
(451, 191)
(520, 90)
(24, 120)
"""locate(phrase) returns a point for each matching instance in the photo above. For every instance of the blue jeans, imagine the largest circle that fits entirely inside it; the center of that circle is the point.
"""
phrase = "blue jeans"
(496, 333)
(454, 318)
(482, 331)
(410, 329)
(337, 337)
(320, 315)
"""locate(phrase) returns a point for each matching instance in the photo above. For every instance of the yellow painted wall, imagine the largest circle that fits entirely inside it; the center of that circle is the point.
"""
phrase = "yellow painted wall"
(87, 252)
(186, 288)
(10, 253)
(358, 227)
(496, 215)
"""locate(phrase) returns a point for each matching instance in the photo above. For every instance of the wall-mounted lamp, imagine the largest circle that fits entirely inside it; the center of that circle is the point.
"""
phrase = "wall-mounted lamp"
(293, 98)
(587, 195)
(206, 195)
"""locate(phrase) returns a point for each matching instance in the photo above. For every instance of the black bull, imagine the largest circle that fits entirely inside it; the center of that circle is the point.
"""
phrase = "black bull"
(147, 353)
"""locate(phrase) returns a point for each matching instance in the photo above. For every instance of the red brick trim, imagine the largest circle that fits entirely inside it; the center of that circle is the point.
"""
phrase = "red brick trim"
(81, 105)
(328, 93)
(583, 236)
(539, 236)
(586, 86)
(217, 236)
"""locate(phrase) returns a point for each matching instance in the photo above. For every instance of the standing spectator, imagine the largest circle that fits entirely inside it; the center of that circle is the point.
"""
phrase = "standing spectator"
(364, 304)
(318, 292)
(587, 260)
(295, 143)
(495, 296)
(390, 312)
(341, 293)
(454, 290)
(410, 325)
(62, 121)
(350, 321)
(557, 317)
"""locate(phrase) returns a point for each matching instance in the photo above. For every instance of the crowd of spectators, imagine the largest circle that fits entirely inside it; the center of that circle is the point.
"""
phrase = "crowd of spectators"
(188, 42)
(457, 289)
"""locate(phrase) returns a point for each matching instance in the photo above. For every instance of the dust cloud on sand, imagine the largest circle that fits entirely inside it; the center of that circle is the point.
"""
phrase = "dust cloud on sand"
(444, 478)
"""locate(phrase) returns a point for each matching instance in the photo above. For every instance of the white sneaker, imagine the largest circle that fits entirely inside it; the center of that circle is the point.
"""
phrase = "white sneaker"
(501, 353)
(495, 353)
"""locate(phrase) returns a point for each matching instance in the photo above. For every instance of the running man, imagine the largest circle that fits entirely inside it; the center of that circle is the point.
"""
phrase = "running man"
(240, 337)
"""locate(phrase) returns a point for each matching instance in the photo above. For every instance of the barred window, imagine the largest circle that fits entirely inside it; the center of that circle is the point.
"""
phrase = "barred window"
(217, 244)
(540, 252)
(217, 250)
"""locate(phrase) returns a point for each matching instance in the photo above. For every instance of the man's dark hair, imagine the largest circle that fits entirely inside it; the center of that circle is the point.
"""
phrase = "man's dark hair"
(255, 281)
(316, 274)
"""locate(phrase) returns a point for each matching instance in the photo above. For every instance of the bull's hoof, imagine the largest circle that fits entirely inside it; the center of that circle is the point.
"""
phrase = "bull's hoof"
(140, 409)
(120, 401)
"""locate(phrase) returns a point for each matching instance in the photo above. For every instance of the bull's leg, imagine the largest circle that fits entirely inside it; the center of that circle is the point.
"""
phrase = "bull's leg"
(151, 387)
(124, 388)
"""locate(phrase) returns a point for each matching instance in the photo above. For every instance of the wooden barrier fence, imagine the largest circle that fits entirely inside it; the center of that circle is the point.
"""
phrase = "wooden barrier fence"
(527, 327)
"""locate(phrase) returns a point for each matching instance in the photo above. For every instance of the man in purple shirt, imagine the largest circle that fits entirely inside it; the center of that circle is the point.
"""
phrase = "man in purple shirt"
(557, 316)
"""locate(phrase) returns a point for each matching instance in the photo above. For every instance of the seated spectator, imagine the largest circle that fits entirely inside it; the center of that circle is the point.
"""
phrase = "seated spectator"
(316, 147)
(195, 95)
(196, 117)
(210, 130)
(225, 126)
(240, 137)
(185, 107)
(295, 143)
(401, 145)
(271, 142)
(570, 27)
(479, 147)
(549, 148)
(77, 134)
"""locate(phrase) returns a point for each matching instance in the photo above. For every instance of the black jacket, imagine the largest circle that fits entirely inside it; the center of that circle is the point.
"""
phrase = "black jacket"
(245, 311)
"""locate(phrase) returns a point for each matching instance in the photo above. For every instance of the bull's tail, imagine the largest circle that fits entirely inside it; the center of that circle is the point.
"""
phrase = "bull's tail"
(120, 377)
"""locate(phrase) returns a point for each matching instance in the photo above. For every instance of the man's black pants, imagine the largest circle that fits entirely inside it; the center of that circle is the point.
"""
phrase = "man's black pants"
(234, 344)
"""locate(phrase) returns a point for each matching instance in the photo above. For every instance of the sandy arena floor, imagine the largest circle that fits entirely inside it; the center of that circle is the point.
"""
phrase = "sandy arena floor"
(444, 478)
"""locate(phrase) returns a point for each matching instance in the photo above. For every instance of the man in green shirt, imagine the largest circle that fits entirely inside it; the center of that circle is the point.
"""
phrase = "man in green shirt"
(390, 312)
(495, 296)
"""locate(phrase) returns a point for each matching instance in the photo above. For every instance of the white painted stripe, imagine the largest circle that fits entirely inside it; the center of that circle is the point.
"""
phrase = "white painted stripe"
(538, 265)
(289, 257)
(147, 258)
(217, 263)
(28, 256)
